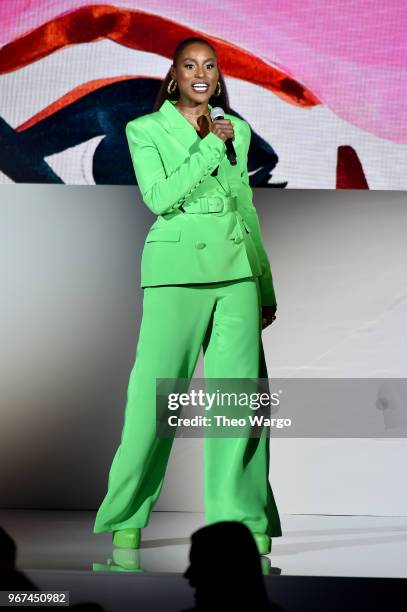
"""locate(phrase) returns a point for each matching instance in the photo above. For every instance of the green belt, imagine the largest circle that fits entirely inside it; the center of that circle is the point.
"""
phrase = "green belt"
(211, 204)
(218, 204)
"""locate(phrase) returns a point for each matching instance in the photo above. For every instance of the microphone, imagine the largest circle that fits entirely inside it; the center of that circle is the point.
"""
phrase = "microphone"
(217, 113)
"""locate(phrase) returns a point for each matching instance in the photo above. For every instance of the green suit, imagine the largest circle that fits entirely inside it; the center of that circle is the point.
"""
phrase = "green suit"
(173, 168)
(205, 275)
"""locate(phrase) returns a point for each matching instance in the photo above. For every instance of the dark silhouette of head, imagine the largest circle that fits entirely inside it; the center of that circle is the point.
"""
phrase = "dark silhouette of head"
(7, 550)
(12, 579)
(225, 568)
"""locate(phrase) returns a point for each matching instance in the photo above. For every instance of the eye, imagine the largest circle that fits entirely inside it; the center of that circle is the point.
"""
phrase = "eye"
(191, 65)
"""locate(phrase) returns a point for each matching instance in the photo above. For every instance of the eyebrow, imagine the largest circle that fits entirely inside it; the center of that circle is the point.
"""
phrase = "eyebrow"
(191, 58)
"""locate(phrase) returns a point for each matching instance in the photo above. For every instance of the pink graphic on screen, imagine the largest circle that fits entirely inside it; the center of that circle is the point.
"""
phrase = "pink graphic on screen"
(348, 59)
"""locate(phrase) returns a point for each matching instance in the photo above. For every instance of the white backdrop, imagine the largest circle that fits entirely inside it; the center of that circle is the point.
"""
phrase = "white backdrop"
(69, 270)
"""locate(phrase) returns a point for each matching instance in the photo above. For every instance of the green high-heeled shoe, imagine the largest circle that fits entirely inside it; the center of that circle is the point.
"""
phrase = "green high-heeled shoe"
(127, 538)
(263, 542)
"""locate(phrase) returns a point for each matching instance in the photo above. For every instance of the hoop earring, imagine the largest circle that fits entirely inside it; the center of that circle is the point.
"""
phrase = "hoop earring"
(217, 93)
(171, 89)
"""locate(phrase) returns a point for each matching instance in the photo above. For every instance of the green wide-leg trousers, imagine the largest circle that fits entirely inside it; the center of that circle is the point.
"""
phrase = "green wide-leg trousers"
(224, 319)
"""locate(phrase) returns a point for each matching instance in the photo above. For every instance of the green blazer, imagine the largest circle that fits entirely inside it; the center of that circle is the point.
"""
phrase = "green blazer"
(173, 167)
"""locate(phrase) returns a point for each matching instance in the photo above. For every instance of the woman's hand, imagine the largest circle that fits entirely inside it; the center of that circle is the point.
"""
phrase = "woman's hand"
(223, 128)
(268, 314)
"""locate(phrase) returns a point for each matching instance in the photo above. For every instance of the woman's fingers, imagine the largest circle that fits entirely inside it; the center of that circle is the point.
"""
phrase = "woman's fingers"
(223, 128)
(268, 315)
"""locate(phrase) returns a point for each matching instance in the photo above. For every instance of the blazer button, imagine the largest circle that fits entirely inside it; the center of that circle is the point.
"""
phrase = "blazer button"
(200, 245)
(238, 240)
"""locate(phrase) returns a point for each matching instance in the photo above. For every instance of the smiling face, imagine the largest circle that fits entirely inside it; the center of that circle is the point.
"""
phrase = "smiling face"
(196, 73)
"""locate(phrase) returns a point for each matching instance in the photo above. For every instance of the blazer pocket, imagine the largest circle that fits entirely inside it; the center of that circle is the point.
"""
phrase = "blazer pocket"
(164, 234)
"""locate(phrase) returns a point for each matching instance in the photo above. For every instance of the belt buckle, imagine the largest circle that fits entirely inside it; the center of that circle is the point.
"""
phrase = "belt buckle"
(221, 204)
(218, 204)
(226, 204)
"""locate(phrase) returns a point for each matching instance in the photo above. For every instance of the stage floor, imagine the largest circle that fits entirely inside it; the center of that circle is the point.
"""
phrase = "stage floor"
(311, 545)
(321, 564)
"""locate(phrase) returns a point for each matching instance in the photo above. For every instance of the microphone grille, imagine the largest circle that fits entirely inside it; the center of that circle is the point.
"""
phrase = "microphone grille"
(217, 113)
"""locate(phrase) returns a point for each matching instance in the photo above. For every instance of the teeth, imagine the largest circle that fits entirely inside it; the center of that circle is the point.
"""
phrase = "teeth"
(200, 86)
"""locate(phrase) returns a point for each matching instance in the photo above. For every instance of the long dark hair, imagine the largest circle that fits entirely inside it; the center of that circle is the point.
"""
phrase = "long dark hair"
(222, 100)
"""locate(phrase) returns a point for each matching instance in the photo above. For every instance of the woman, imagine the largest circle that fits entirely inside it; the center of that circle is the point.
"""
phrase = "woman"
(207, 283)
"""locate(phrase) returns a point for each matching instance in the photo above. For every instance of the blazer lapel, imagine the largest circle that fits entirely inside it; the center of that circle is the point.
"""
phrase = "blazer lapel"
(185, 134)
